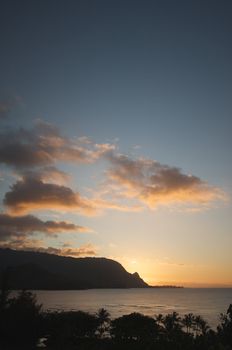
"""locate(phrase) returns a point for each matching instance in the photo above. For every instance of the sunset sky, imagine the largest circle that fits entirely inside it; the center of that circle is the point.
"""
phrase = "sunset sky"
(115, 134)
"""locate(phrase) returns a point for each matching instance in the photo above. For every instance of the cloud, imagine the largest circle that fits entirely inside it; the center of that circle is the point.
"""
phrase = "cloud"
(102, 204)
(84, 250)
(49, 174)
(44, 145)
(19, 227)
(21, 243)
(30, 194)
(34, 153)
(16, 232)
(153, 183)
(35, 245)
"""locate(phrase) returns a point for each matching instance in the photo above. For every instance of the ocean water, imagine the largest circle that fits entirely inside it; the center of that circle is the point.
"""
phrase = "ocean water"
(208, 303)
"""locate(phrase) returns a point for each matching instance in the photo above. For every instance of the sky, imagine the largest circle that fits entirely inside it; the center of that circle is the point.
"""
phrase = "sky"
(115, 134)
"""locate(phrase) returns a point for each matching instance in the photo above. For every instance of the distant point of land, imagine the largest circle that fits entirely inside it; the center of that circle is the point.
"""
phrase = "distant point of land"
(166, 286)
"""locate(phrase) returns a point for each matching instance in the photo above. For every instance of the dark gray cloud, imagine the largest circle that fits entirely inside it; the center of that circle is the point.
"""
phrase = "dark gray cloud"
(19, 227)
(44, 145)
(31, 194)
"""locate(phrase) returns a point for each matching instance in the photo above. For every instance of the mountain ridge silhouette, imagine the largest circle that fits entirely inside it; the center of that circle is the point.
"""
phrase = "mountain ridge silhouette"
(38, 270)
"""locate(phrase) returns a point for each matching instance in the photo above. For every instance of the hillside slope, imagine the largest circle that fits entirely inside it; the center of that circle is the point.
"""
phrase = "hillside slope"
(34, 270)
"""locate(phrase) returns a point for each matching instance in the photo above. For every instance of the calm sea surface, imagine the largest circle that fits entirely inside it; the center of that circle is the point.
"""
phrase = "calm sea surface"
(209, 303)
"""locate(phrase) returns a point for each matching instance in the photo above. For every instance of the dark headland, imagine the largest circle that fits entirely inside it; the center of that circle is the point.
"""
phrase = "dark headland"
(36, 270)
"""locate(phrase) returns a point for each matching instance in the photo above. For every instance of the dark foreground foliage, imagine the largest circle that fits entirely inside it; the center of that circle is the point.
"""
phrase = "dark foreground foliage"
(23, 325)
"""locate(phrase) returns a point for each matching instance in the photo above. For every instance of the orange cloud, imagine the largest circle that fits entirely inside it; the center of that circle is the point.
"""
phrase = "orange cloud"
(102, 204)
(157, 184)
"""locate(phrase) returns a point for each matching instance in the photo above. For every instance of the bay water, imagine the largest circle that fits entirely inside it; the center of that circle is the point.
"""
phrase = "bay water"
(207, 302)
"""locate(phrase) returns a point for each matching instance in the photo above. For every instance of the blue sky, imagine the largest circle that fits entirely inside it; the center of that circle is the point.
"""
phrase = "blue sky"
(152, 78)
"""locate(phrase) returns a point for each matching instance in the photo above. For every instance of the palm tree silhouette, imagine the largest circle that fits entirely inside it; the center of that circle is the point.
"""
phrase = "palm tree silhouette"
(103, 317)
(188, 321)
(201, 326)
(172, 322)
(159, 319)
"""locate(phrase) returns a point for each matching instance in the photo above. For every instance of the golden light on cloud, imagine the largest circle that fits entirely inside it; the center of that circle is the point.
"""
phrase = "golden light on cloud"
(201, 195)
(155, 184)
